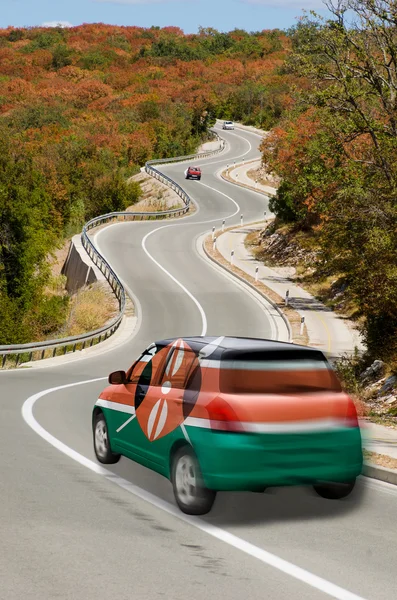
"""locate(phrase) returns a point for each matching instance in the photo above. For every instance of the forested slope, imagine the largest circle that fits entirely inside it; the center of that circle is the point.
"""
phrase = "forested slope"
(336, 152)
(82, 108)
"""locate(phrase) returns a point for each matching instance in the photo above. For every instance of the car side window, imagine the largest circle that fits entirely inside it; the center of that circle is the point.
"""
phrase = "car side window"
(143, 362)
(179, 368)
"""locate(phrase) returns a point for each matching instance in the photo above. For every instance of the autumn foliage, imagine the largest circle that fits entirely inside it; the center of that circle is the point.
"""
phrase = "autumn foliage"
(336, 150)
(83, 108)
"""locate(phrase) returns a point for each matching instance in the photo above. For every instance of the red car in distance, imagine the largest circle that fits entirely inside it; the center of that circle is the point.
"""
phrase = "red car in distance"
(193, 173)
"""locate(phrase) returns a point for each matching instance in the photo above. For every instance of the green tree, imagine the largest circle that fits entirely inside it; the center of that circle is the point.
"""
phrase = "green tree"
(61, 57)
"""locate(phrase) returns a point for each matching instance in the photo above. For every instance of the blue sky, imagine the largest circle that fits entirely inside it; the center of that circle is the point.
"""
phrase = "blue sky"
(224, 15)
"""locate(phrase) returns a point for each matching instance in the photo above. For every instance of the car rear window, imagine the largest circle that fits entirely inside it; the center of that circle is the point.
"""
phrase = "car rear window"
(195, 169)
(276, 372)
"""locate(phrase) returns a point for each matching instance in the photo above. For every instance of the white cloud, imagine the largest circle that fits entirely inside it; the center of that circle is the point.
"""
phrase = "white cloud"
(57, 24)
(300, 4)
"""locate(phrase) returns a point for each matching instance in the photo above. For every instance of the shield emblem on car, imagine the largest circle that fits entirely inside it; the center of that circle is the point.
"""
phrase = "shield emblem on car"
(166, 406)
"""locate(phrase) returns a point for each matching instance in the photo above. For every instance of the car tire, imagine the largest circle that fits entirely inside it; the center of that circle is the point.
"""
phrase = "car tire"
(334, 490)
(198, 178)
(191, 495)
(102, 447)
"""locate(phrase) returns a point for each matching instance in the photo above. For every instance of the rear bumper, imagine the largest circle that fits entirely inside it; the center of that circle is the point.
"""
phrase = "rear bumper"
(242, 461)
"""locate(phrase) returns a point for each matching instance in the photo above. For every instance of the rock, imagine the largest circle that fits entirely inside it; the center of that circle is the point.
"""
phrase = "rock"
(390, 400)
(389, 384)
(375, 370)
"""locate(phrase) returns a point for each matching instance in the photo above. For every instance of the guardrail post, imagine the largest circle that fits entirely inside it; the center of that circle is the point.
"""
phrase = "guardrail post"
(54, 352)
(3, 362)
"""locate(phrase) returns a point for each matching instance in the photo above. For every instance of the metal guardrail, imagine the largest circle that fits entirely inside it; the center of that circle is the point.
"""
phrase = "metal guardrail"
(20, 353)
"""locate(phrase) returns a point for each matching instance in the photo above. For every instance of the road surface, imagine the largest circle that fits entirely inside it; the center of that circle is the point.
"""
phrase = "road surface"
(71, 529)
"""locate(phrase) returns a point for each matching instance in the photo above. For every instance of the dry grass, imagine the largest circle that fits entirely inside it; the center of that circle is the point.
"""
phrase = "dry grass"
(57, 261)
(322, 287)
(264, 179)
(292, 316)
(226, 176)
(156, 196)
(388, 462)
(90, 308)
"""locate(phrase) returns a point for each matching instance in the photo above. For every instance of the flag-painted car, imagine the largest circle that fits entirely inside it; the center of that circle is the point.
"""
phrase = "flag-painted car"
(231, 413)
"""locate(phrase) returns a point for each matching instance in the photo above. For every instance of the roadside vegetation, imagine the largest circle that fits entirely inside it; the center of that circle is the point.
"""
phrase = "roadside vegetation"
(81, 109)
(335, 151)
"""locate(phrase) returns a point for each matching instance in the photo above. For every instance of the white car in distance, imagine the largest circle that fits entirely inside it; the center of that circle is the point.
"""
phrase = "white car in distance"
(228, 125)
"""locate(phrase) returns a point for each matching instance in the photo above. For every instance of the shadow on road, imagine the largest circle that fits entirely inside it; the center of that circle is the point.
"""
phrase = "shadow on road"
(289, 504)
(280, 505)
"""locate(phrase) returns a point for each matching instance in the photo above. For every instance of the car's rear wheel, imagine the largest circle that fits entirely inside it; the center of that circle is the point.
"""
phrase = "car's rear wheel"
(102, 447)
(191, 495)
(199, 178)
(334, 490)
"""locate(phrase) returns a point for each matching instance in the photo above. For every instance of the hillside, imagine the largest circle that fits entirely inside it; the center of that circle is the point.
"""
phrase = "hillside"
(83, 108)
(335, 152)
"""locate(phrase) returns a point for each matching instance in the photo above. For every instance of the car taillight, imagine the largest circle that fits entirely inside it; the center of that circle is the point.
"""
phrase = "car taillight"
(223, 417)
(351, 416)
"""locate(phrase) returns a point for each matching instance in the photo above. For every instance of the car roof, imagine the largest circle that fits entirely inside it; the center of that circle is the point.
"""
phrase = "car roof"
(238, 344)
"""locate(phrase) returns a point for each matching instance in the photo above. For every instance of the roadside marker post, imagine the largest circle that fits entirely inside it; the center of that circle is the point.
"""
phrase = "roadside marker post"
(214, 244)
(213, 232)
(232, 257)
(287, 297)
(256, 273)
(241, 220)
(223, 225)
(302, 324)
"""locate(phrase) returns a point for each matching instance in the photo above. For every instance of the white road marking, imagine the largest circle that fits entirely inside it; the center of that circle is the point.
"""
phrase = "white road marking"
(332, 590)
(226, 196)
(175, 280)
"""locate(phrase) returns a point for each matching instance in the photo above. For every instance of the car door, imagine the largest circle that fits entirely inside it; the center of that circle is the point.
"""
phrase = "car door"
(128, 435)
(167, 403)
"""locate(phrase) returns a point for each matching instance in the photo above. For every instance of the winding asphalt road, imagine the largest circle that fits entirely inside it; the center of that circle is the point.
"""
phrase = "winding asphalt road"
(72, 529)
